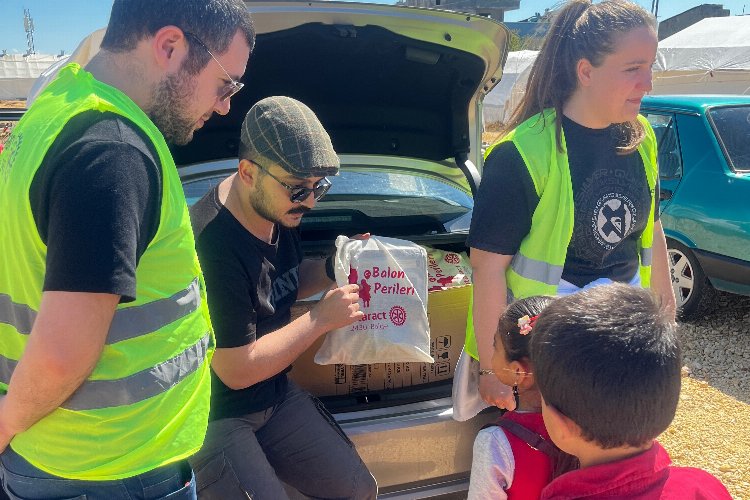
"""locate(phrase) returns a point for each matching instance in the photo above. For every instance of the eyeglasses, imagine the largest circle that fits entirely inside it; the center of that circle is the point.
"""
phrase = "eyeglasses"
(233, 86)
(298, 194)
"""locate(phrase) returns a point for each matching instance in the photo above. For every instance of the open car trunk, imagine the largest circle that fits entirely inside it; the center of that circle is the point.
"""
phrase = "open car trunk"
(398, 90)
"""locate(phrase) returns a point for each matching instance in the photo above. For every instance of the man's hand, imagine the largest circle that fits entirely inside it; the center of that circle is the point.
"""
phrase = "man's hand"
(63, 348)
(339, 307)
(6, 435)
(241, 367)
(495, 393)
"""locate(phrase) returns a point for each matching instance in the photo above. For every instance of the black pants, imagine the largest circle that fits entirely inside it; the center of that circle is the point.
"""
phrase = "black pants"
(296, 441)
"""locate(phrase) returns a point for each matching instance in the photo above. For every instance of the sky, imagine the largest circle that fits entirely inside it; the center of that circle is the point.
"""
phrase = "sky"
(61, 25)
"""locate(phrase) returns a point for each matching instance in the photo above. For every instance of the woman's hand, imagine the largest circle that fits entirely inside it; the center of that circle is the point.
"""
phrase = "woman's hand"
(495, 393)
(661, 278)
(489, 304)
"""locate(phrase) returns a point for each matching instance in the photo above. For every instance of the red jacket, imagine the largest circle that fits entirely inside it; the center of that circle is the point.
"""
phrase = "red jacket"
(647, 476)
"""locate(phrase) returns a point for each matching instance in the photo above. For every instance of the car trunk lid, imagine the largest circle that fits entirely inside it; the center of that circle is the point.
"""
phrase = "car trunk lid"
(398, 82)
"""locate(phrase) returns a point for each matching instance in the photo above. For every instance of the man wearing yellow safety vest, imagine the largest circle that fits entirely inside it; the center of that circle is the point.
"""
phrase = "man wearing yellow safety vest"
(105, 339)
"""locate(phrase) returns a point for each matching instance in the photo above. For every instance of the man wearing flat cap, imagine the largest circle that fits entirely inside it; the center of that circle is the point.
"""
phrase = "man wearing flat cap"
(263, 429)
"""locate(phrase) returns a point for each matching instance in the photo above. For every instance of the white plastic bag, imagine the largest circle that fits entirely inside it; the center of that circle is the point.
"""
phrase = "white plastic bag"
(392, 279)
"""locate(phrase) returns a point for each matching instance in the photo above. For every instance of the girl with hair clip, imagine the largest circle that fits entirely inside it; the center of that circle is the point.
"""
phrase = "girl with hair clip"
(514, 457)
(568, 198)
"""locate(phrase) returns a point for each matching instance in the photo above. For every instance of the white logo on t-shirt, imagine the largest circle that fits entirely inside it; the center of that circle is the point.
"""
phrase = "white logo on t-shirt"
(615, 218)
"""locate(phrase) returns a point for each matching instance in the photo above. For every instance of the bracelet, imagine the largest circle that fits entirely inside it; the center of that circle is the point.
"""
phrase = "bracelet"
(485, 371)
(330, 272)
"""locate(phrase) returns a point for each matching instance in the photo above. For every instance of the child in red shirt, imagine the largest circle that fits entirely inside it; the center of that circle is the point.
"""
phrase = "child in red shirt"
(505, 465)
(607, 363)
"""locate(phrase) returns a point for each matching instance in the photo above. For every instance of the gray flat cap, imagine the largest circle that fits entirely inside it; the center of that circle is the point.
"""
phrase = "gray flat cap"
(281, 130)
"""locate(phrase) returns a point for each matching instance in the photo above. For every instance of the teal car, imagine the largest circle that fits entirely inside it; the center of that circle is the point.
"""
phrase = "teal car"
(704, 169)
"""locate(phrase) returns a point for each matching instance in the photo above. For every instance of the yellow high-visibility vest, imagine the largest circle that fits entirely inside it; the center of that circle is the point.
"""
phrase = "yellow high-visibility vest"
(537, 267)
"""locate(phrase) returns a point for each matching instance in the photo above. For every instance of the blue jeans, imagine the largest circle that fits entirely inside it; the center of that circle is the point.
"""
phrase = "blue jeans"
(23, 481)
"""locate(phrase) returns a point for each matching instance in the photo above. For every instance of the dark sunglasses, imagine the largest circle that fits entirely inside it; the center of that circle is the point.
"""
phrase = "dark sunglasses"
(233, 86)
(298, 194)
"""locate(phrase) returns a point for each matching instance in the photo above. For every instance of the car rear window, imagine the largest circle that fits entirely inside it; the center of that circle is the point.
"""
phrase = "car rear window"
(732, 126)
(385, 193)
(382, 202)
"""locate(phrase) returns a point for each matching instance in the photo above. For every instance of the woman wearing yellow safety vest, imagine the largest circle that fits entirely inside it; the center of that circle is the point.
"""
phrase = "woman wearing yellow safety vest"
(568, 194)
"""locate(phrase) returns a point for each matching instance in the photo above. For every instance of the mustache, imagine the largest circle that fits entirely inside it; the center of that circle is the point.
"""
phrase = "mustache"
(299, 210)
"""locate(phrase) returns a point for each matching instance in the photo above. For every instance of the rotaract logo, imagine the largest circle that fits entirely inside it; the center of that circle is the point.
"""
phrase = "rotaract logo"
(452, 258)
(397, 315)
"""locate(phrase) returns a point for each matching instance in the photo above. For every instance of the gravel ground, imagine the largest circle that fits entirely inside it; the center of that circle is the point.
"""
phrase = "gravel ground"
(712, 426)
(716, 348)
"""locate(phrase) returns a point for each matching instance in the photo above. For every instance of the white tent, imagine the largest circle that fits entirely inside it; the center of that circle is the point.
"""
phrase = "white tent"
(499, 103)
(710, 57)
(85, 51)
(17, 73)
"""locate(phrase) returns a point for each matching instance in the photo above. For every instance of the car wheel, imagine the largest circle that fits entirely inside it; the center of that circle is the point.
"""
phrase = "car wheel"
(692, 290)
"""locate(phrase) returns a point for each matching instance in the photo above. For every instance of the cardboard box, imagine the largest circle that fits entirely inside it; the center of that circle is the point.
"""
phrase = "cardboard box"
(446, 312)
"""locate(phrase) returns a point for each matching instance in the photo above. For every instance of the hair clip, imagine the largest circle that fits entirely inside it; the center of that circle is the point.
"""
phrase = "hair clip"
(525, 324)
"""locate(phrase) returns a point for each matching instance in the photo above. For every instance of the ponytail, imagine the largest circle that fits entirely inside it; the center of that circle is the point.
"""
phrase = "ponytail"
(579, 30)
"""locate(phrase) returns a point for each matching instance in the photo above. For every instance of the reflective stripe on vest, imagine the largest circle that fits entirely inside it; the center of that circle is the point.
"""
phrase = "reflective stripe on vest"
(19, 316)
(536, 270)
(96, 394)
(646, 256)
(126, 323)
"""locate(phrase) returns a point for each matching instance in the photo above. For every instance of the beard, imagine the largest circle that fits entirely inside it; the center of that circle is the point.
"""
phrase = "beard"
(261, 203)
(169, 108)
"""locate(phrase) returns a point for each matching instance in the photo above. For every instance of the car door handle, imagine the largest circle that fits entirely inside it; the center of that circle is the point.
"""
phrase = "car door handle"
(665, 194)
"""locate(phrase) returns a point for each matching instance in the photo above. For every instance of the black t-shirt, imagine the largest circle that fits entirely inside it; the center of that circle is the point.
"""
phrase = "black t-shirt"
(96, 203)
(251, 287)
(611, 203)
